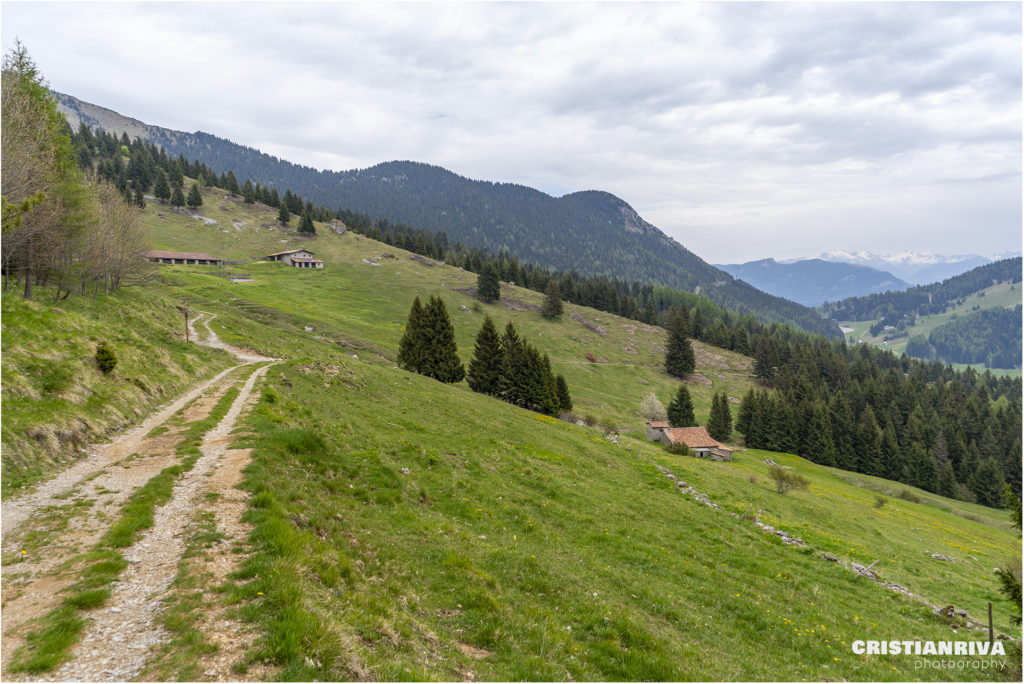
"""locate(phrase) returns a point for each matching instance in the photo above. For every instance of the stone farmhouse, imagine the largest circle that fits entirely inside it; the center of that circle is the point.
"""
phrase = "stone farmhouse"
(298, 258)
(697, 438)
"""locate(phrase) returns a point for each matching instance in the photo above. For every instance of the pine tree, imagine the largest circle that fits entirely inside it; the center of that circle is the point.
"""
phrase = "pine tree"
(922, 469)
(177, 198)
(720, 422)
(680, 410)
(947, 481)
(248, 192)
(442, 357)
(987, 483)
(195, 198)
(306, 226)
(697, 329)
(162, 190)
(411, 347)
(283, 215)
(514, 376)
(138, 200)
(552, 301)
(488, 287)
(231, 183)
(564, 399)
(746, 413)
(488, 363)
(679, 358)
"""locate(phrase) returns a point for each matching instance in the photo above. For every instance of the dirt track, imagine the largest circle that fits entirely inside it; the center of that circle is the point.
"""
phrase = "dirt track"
(46, 529)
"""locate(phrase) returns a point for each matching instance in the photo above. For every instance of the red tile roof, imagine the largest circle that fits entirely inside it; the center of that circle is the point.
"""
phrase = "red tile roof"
(159, 254)
(656, 424)
(693, 437)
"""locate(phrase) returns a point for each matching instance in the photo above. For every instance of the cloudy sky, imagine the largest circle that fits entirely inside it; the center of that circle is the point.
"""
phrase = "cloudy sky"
(742, 130)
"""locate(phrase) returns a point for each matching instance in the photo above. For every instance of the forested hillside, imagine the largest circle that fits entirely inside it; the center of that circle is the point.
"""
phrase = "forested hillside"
(594, 233)
(990, 336)
(965, 319)
(892, 307)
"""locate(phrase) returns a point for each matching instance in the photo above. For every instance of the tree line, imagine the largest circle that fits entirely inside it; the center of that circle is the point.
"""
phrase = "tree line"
(989, 336)
(923, 424)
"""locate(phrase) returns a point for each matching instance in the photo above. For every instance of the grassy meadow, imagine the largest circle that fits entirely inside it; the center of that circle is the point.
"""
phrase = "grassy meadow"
(404, 529)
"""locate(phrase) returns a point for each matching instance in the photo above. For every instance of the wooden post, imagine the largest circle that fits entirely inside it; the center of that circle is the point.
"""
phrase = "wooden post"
(185, 310)
(990, 633)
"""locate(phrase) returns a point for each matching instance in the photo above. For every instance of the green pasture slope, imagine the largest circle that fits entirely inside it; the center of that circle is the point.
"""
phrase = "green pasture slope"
(405, 529)
(56, 400)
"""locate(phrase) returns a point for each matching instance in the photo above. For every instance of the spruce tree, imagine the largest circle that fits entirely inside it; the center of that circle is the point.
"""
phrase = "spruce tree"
(283, 215)
(680, 410)
(922, 469)
(513, 378)
(697, 329)
(488, 287)
(248, 192)
(488, 363)
(442, 357)
(720, 422)
(306, 226)
(195, 198)
(411, 347)
(177, 198)
(679, 359)
(552, 301)
(987, 483)
(947, 481)
(162, 190)
(564, 399)
(746, 413)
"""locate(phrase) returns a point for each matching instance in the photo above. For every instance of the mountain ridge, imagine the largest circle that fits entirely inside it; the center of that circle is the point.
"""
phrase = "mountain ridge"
(590, 231)
(813, 282)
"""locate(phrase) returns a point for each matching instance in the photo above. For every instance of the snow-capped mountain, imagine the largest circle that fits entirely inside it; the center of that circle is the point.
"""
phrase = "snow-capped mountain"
(917, 268)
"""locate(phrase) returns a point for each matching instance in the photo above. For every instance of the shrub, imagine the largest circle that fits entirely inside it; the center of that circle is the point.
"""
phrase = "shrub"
(678, 448)
(785, 480)
(590, 419)
(908, 495)
(105, 357)
(880, 501)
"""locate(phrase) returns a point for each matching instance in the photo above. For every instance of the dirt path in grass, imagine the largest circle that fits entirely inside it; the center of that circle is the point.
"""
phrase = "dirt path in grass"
(46, 530)
(119, 639)
(43, 554)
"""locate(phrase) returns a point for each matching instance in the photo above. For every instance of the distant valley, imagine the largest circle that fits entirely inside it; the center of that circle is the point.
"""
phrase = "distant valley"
(813, 282)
